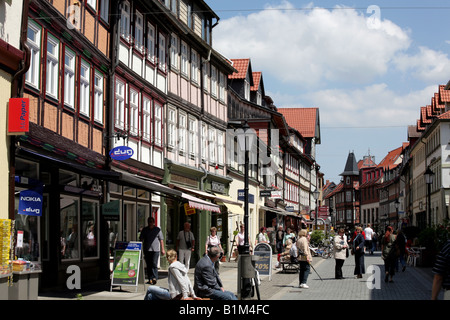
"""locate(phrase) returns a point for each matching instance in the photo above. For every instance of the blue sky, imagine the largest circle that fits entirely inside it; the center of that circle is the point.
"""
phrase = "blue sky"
(367, 65)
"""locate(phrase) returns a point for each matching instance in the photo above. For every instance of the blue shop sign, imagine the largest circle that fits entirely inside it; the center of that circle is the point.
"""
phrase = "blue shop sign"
(30, 203)
(121, 153)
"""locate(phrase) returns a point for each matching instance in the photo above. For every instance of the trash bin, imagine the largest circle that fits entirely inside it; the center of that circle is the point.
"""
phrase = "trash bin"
(4, 280)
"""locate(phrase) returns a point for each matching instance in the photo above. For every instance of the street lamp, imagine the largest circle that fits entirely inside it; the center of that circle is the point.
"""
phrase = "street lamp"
(245, 267)
(429, 180)
(316, 194)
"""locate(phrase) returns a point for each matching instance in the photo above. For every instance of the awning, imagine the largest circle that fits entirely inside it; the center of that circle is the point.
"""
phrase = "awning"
(200, 204)
(154, 187)
(232, 206)
(196, 192)
(71, 165)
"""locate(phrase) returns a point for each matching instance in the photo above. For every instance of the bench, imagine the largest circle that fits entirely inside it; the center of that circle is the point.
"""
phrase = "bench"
(289, 266)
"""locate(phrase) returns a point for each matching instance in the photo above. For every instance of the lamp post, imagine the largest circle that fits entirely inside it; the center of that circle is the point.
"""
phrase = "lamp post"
(245, 267)
(429, 180)
(316, 194)
(396, 204)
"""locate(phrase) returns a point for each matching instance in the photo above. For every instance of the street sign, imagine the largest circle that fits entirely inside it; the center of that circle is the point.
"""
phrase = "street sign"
(265, 193)
(241, 196)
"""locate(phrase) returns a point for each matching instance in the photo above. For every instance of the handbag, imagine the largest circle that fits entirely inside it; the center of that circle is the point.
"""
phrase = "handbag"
(347, 253)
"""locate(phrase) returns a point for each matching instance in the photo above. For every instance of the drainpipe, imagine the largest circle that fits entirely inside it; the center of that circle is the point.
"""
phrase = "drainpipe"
(17, 91)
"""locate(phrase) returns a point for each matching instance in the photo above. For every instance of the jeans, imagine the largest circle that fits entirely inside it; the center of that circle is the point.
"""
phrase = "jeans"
(157, 293)
(304, 271)
(222, 295)
(151, 260)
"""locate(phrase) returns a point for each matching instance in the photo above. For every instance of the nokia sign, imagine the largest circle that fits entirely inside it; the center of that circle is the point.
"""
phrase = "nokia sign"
(30, 203)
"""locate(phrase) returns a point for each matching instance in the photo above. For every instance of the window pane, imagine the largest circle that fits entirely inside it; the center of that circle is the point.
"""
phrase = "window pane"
(69, 220)
(90, 228)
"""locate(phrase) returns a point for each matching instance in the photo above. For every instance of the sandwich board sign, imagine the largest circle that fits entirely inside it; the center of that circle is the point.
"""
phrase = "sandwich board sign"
(127, 262)
(263, 259)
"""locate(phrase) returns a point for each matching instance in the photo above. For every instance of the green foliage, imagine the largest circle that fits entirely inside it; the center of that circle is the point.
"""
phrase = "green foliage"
(435, 237)
(317, 236)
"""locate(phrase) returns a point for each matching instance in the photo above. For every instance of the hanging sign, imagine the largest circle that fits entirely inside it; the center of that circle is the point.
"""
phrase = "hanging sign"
(189, 210)
(30, 203)
(121, 153)
(18, 116)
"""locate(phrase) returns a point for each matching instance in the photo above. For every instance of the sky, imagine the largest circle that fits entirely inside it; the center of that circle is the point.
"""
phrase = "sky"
(367, 65)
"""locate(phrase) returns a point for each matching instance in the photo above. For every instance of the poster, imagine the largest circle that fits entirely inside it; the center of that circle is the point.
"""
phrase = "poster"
(127, 257)
(263, 259)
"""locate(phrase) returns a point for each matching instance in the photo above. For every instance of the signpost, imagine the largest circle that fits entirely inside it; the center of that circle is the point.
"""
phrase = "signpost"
(263, 259)
(127, 260)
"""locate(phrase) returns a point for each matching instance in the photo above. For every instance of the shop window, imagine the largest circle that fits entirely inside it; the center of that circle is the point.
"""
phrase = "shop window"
(127, 191)
(89, 229)
(115, 188)
(142, 194)
(69, 222)
(142, 215)
(67, 178)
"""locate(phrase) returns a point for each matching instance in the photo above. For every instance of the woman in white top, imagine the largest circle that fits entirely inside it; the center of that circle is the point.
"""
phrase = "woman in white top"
(213, 241)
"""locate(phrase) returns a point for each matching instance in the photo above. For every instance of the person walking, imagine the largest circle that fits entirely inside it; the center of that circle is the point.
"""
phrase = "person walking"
(388, 254)
(214, 241)
(279, 241)
(305, 259)
(401, 245)
(207, 283)
(358, 251)
(153, 243)
(185, 244)
(340, 252)
(441, 270)
(262, 236)
(368, 234)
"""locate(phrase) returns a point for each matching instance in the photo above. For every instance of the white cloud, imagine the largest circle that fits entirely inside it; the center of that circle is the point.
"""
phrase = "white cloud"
(308, 47)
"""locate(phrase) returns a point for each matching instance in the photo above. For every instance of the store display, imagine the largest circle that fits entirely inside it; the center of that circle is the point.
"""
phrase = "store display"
(5, 245)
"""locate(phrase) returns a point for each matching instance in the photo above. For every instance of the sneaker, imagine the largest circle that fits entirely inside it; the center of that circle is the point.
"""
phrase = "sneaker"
(305, 286)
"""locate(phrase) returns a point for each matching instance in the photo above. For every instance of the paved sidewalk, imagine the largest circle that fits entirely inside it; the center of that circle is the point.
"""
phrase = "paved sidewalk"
(413, 284)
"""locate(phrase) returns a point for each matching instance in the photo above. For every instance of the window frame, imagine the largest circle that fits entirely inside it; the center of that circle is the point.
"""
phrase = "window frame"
(69, 77)
(162, 60)
(125, 22)
(133, 109)
(147, 118)
(99, 97)
(84, 85)
(151, 38)
(194, 66)
(120, 115)
(52, 67)
(184, 59)
(139, 32)
(182, 126)
(35, 53)
(157, 123)
(174, 51)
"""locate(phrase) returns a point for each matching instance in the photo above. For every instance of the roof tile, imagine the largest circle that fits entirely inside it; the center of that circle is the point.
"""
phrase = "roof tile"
(301, 119)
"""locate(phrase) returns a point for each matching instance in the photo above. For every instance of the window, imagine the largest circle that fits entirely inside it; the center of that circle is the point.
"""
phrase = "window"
(134, 112)
(125, 21)
(184, 58)
(104, 10)
(162, 52)
(151, 43)
(246, 90)
(192, 127)
(213, 81)
(189, 15)
(34, 43)
(158, 124)
(194, 65)
(69, 78)
(69, 221)
(220, 147)
(89, 225)
(98, 97)
(205, 75)
(92, 4)
(204, 141)
(174, 51)
(212, 145)
(84, 89)
(171, 127)
(146, 119)
(182, 132)
(174, 6)
(120, 116)
(52, 74)
(139, 32)
(222, 87)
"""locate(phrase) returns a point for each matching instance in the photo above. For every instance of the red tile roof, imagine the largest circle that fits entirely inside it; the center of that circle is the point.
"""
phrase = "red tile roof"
(304, 120)
(389, 161)
(445, 115)
(241, 65)
(256, 80)
(444, 94)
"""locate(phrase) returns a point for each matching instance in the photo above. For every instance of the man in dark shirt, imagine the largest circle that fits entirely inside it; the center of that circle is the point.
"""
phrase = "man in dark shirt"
(441, 272)
(153, 242)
